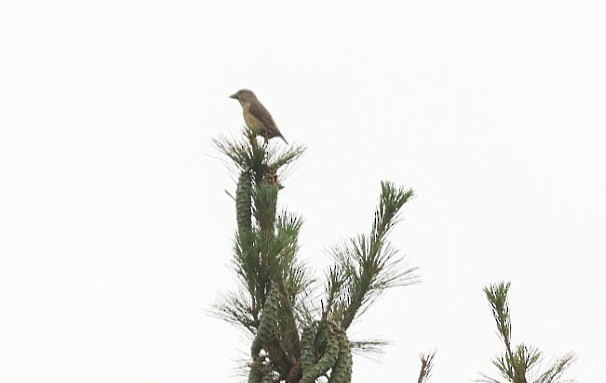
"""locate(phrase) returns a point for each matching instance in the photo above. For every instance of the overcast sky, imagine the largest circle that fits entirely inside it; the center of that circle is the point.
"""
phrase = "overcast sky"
(115, 230)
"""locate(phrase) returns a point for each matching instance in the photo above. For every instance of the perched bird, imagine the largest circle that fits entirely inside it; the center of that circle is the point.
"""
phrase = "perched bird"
(257, 118)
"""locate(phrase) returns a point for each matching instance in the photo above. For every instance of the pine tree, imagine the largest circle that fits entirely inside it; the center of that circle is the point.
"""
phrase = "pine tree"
(519, 364)
(294, 338)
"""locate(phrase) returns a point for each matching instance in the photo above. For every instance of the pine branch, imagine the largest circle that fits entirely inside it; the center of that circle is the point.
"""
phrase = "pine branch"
(265, 198)
(497, 298)
(248, 155)
(517, 363)
(265, 257)
(236, 309)
(554, 374)
(426, 366)
(367, 263)
(368, 346)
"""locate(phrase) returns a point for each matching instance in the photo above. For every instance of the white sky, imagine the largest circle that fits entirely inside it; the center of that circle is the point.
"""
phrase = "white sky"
(115, 231)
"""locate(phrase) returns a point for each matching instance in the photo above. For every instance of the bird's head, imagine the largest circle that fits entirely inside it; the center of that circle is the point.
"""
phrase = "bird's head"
(243, 95)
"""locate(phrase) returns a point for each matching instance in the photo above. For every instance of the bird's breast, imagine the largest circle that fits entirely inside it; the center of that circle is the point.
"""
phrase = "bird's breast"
(252, 123)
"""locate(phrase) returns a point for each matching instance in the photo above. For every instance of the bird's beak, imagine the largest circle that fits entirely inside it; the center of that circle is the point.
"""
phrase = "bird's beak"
(235, 95)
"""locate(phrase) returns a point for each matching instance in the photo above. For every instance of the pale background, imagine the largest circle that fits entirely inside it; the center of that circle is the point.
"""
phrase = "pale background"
(115, 231)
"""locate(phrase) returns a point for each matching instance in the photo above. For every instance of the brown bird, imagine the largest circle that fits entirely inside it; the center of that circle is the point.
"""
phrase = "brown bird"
(257, 118)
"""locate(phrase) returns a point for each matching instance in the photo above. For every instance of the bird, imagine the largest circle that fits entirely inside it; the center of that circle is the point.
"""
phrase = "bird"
(257, 118)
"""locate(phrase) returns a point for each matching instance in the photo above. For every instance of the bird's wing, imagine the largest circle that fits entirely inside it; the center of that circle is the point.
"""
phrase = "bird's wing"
(259, 112)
